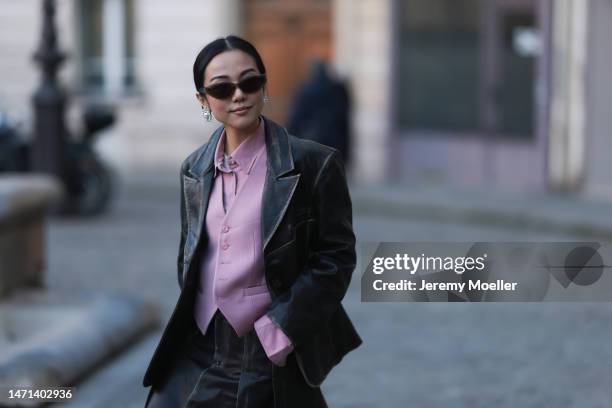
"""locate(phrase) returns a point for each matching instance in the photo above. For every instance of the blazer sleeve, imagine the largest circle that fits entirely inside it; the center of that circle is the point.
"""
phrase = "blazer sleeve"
(317, 292)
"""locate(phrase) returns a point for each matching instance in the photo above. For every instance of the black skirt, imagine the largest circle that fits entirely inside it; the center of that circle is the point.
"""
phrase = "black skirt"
(218, 370)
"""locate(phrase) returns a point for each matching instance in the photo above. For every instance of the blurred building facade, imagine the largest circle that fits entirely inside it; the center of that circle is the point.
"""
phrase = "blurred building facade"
(507, 94)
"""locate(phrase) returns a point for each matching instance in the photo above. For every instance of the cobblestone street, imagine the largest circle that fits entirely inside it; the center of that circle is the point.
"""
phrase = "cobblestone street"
(414, 354)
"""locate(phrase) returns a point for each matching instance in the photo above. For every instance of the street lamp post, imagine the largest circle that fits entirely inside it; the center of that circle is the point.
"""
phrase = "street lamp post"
(49, 101)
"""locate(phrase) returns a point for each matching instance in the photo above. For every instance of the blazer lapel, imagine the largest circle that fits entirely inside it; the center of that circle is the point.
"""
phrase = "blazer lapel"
(280, 184)
(197, 187)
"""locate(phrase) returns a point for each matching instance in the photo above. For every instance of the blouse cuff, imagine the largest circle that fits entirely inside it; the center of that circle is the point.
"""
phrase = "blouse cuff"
(275, 343)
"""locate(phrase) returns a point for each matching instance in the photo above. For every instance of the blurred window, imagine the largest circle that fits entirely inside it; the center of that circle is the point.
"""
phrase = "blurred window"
(521, 44)
(107, 45)
(439, 64)
(466, 66)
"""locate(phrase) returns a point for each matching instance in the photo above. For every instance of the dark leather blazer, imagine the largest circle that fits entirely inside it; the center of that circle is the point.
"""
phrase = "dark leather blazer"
(308, 245)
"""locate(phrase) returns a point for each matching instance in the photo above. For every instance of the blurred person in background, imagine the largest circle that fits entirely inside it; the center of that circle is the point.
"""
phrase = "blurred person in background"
(321, 110)
(266, 254)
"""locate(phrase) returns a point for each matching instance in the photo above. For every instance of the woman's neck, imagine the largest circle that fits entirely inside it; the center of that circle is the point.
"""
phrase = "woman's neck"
(234, 137)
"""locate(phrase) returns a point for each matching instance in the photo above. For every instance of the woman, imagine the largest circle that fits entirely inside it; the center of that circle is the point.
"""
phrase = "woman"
(265, 257)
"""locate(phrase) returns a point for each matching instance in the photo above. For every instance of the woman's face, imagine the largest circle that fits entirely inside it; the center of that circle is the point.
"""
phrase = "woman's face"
(233, 66)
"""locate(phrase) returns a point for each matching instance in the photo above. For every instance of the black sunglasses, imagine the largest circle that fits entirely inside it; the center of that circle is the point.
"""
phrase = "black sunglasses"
(224, 90)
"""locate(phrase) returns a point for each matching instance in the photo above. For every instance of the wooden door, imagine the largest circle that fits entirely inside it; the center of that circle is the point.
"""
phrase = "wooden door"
(288, 34)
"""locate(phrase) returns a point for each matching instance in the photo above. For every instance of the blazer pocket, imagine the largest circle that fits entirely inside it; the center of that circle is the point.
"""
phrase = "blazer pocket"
(302, 213)
(255, 290)
(286, 245)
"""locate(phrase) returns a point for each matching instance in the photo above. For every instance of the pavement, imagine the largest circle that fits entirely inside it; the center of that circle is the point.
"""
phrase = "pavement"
(414, 354)
(562, 213)
(53, 339)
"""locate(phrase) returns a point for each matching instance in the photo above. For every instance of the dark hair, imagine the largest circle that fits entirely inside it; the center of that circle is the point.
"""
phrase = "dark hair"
(212, 49)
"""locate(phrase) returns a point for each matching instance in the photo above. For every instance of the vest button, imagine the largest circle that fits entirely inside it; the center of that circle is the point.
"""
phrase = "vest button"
(226, 228)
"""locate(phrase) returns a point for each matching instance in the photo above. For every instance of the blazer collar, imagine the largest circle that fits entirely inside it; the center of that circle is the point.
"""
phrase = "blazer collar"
(280, 157)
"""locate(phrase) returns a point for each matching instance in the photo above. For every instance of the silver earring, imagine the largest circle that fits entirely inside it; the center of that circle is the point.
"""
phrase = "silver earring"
(206, 113)
(266, 99)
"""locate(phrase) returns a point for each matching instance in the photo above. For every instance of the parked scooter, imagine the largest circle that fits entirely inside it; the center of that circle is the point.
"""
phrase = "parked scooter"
(88, 180)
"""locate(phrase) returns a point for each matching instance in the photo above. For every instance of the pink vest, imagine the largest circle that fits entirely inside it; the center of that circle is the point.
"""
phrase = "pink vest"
(232, 270)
